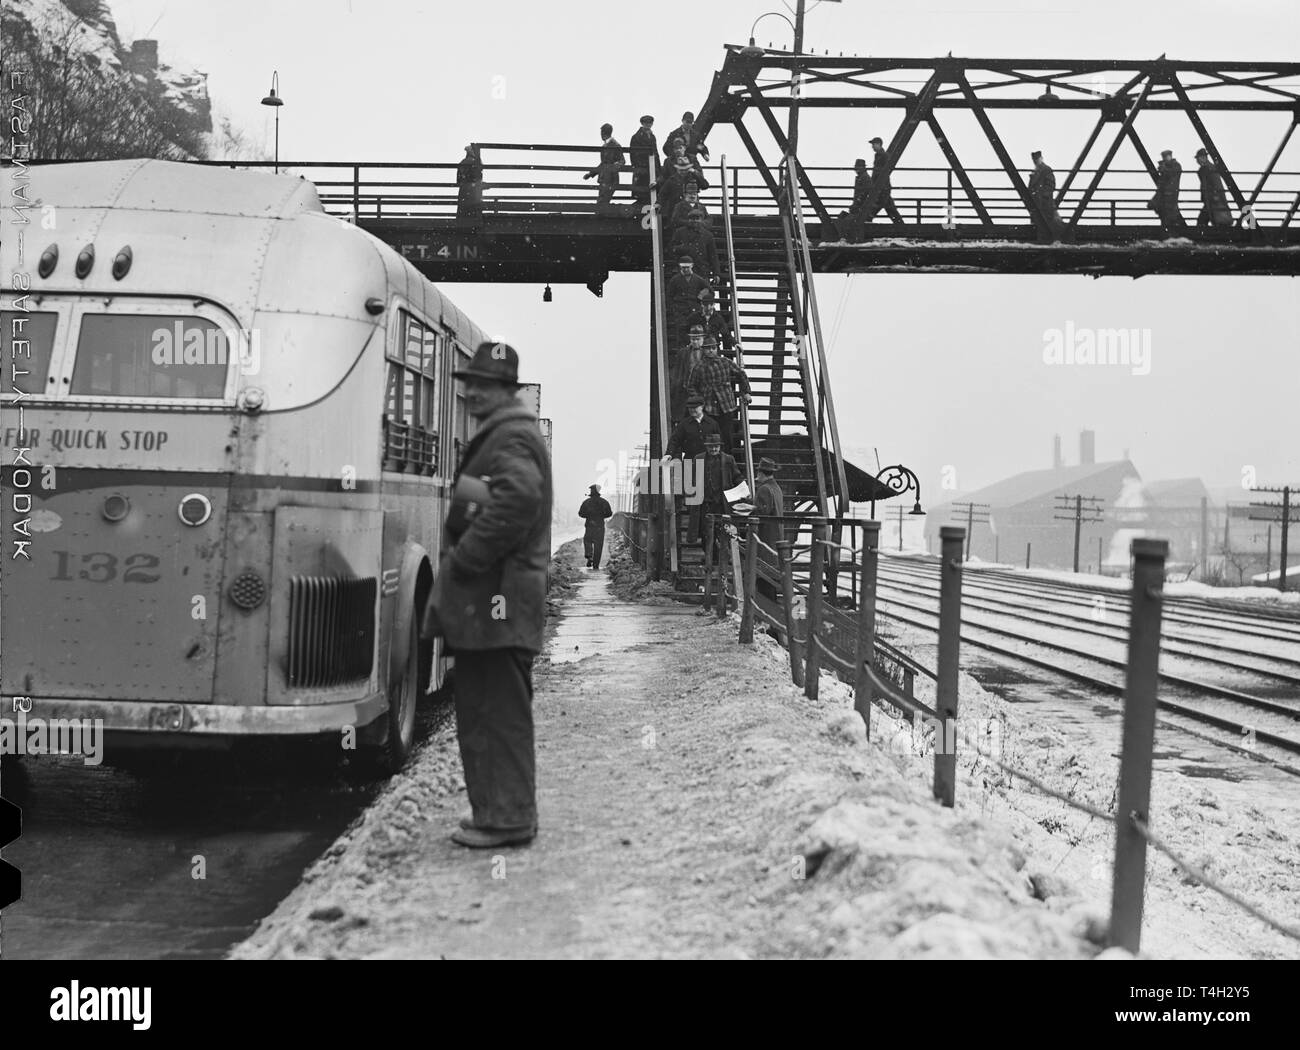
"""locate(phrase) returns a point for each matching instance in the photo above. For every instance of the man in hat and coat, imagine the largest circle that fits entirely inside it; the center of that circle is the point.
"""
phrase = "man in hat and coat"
(1169, 174)
(697, 242)
(683, 295)
(1214, 201)
(688, 437)
(611, 163)
(1042, 191)
(769, 504)
(715, 472)
(880, 178)
(643, 146)
(686, 135)
(489, 599)
(594, 511)
(715, 379)
(715, 322)
(469, 185)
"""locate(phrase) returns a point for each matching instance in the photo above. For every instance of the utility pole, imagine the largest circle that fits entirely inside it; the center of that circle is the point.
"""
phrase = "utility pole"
(793, 133)
(1280, 512)
(1205, 536)
(1098, 555)
(1078, 514)
(976, 513)
(900, 525)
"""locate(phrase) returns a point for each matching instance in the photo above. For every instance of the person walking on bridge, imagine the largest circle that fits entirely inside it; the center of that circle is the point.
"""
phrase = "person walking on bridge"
(489, 599)
(1214, 200)
(611, 163)
(880, 178)
(1042, 191)
(469, 185)
(594, 511)
(643, 146)
(1169, 174)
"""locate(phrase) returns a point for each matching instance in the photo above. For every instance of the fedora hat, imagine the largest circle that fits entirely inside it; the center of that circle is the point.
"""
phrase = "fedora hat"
(495, 361)
(594, 490)
(765, 466)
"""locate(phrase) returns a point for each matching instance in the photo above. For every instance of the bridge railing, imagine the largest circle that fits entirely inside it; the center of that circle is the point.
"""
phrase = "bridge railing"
(521, 179)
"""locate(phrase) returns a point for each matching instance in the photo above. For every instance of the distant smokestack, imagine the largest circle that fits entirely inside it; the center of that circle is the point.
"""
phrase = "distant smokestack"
(1056, 452)
(1087, 447)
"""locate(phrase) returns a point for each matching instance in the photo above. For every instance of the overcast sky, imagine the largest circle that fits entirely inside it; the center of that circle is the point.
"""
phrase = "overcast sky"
(938, 371)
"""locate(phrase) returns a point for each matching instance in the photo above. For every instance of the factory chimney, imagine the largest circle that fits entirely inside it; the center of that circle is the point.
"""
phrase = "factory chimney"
(1087, 448)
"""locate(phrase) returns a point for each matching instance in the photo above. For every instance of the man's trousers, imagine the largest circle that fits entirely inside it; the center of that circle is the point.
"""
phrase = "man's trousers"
(593, 543)
(494, 725)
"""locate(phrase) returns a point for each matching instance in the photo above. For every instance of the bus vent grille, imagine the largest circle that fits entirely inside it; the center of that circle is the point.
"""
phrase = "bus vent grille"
(331, 629)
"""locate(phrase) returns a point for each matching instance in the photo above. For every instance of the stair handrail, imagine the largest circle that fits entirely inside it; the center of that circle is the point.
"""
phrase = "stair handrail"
(735, 325)
(823, 376)
(801, 341)
(661, 369)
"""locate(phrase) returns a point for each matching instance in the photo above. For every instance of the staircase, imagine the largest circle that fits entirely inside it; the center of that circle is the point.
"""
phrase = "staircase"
(766, 291)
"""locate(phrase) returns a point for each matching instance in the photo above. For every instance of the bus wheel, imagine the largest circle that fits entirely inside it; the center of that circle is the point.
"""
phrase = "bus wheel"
(403, 694)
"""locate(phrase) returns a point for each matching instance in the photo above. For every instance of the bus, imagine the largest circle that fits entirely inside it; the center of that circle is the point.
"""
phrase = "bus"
(234, 429)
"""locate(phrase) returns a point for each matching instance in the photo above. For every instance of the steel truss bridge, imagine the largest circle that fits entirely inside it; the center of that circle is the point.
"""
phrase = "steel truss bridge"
(540, 222)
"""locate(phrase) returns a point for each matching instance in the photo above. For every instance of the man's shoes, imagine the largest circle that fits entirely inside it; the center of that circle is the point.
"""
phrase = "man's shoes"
(490, 838)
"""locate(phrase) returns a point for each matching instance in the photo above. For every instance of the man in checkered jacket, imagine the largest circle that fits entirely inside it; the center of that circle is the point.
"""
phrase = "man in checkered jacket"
(714, 379)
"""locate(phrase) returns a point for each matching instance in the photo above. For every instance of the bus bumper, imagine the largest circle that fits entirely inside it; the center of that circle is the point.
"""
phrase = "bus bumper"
(126, 716)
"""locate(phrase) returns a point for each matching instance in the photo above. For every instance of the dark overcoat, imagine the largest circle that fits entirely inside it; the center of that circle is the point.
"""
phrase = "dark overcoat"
(769, 501)
(490, 591)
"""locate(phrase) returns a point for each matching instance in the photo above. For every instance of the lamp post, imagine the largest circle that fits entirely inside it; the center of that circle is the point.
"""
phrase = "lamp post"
(900, 479)
(274, 100)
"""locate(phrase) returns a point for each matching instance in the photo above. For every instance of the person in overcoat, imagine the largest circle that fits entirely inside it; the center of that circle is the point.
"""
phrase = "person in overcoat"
(469, 185)
(1214, 200)
(489, 600)
(643, 146)
(1169, 175)
(594, 510)
(1042, 190)
(715, 472)
(769, 503)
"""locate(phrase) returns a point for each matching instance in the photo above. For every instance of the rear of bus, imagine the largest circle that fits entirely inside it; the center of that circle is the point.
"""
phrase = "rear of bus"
(193, 538)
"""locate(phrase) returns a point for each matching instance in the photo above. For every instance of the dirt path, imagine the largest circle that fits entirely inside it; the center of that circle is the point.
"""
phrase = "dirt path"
(692, 804)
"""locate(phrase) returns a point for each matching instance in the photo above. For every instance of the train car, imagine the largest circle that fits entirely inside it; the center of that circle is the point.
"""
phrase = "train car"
(241, 428)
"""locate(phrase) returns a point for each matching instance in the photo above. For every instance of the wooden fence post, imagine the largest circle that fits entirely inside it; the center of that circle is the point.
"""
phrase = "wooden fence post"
(865, 650)
(707, 536)
(945, 693)
(787, 602)
(733, 546)
(816, 587)
(747, 607)
(1140, 685)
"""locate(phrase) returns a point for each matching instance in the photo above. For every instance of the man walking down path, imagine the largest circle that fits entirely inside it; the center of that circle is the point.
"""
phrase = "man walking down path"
(489, 600)
(594, 511)
(611, 163)
(769, 504)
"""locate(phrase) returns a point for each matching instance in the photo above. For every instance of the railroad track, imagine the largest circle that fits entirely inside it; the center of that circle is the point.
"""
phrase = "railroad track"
(1026, 630)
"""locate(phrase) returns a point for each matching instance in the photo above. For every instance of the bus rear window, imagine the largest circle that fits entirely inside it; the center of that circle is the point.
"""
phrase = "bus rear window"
(28, 341)
(150, 355)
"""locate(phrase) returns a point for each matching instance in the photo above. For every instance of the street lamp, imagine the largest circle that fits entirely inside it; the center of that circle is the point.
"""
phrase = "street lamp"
(752, 50)
(274, 99)
(901, 480)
